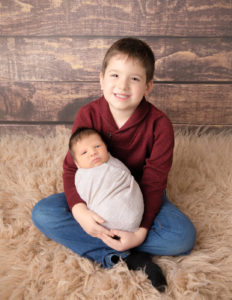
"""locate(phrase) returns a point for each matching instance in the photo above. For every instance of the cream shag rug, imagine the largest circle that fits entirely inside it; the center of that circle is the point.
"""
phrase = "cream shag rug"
(34, 267)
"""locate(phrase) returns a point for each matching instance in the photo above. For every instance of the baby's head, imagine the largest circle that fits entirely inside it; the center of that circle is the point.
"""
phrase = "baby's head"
(88, 148)
(134, 49)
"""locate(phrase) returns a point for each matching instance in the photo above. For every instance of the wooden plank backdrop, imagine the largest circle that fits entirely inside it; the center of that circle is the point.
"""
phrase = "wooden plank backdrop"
(51, 54)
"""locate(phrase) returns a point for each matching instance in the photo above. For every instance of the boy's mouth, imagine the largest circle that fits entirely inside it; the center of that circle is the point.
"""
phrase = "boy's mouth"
(121, 96)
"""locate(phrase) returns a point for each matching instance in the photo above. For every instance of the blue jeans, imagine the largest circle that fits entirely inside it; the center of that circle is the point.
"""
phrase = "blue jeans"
(172, 233)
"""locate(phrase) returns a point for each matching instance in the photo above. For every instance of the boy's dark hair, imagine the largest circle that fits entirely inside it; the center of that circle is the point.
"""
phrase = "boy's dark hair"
(134, 48)
(78, 134)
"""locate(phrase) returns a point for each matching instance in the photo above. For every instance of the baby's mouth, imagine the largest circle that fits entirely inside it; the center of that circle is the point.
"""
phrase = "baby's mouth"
(96, 159)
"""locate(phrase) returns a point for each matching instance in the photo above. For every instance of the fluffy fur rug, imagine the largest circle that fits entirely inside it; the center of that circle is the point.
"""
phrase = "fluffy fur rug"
(34, 267)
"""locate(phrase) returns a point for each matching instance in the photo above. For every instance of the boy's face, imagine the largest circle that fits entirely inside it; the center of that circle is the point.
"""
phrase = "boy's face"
(90, 152)
(124, 84)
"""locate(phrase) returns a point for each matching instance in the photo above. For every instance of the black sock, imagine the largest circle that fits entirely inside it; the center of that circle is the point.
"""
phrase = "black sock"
(142, 260)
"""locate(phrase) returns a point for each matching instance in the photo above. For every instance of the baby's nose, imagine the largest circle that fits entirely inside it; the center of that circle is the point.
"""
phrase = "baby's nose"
(92, 151)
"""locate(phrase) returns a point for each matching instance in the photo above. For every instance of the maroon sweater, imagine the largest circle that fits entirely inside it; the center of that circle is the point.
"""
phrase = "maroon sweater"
(144, 144)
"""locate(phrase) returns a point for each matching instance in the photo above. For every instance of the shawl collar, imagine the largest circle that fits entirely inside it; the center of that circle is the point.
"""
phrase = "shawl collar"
(139, 114)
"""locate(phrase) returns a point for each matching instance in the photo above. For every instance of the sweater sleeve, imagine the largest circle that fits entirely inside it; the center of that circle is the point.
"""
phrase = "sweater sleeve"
(156, 169)
(69, 168)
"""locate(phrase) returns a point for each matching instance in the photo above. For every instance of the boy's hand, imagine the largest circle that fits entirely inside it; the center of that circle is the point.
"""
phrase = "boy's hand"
(126, 240)
(90, 221)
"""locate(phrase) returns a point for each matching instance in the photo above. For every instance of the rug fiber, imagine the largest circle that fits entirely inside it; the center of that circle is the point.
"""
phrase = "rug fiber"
(34, 267)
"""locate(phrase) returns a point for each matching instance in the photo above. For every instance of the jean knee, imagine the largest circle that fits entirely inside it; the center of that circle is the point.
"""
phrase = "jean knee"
(189, 237)
(38, 215)
(183, 237)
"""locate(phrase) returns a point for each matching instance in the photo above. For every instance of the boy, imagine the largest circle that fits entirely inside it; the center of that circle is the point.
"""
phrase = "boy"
(104, 183)
(140, 136)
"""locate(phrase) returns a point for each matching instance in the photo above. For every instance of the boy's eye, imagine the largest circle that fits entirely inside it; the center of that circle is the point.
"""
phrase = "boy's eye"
(97, 146)
(83, 153)
(135, 79)
(114, 75)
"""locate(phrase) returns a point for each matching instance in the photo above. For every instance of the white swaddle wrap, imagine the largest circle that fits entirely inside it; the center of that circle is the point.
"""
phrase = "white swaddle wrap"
(112, 192)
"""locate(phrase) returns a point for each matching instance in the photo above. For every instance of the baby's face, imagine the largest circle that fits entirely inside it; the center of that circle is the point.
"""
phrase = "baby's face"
(90, 152)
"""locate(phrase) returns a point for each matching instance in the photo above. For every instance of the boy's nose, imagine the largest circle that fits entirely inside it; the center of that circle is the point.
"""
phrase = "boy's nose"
(123, 84)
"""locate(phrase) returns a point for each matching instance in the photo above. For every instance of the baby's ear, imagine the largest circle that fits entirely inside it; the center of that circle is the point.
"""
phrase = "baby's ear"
(76, 163)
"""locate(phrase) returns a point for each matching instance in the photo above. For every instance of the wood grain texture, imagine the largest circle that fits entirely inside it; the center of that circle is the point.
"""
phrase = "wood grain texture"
(45, 102)
(53, 129)
(193, 104)
(33, 129)
(51, 54)
(71, 59)
(108, 17)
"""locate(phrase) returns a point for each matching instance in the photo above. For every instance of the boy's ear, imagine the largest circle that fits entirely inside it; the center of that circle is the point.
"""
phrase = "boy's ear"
(149, 88)
(101, 79)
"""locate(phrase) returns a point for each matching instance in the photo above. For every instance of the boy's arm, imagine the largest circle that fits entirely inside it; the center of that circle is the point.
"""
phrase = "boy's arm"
(156, 169)
(69, 168)
(126, 240)
(90, 221)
